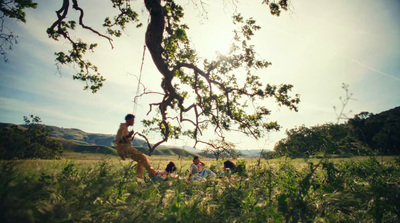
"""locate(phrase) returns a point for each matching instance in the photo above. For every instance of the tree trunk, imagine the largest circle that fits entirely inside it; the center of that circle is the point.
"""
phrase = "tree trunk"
(154, 35)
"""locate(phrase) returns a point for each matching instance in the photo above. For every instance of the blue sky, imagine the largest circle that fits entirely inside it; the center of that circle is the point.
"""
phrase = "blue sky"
(316, 46)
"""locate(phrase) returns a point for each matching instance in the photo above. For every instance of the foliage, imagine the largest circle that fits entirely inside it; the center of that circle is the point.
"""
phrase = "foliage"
(227, 95)
(221, 149)
(269, 154)
(364, 187)
(33, 142)
(380, 132)
(306, 141)
(342, 114)
(364, 134)
(241, 167)
(11, 10)
(351, 191)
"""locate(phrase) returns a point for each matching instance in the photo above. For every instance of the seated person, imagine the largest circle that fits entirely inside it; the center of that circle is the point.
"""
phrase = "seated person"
(123, 142)
(169, 171)
(229, 168)
(197, 172)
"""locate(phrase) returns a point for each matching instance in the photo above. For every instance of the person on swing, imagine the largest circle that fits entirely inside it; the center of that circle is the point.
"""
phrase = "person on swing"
(123, 141)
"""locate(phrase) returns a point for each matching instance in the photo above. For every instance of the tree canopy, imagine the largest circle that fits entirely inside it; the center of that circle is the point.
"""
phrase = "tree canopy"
(11, 9)
(31, 142)
(223, 94)
(364, 134)
(220, 149)
(380, 132)
(327, 138)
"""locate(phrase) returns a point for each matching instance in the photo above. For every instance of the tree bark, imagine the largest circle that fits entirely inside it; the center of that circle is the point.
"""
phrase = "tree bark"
(154, 35)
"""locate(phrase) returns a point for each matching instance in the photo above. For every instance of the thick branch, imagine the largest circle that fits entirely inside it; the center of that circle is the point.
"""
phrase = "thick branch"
(61, 17)
(154, 35)
(76, 7)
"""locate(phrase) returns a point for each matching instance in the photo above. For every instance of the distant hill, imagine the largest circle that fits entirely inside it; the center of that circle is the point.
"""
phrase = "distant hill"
(76, 140)
(79, 148)
(251, 152)
(171, 151)
(81, 137)
(7, 125)
(190, 149)
(93, 140)
(72, 146)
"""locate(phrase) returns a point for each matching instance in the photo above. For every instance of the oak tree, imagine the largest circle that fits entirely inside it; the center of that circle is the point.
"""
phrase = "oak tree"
(221, 149)
(198, 93)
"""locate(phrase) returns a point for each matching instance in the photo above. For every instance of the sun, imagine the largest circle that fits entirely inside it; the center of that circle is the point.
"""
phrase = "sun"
(215, 42)
(220, 44)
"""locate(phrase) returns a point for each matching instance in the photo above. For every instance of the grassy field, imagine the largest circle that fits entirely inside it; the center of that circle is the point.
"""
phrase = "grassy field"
(102, 188)
(159, 162)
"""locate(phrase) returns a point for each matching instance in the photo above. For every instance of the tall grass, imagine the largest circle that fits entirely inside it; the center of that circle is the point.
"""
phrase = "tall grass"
(274, 191)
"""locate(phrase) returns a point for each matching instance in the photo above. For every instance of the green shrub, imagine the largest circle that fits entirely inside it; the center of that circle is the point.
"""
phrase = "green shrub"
(33, 142)
(241, 167)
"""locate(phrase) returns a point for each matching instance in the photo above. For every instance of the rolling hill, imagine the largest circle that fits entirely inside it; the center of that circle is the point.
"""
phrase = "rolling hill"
(99, 142)
(76, 140)
(72, 146)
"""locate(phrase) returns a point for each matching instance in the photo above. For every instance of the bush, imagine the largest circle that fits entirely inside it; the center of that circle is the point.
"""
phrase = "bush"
(33, 142)
(241, 167)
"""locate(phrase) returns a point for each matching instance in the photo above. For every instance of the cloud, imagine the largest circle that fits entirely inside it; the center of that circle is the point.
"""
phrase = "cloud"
(18, 106)
(374, 70)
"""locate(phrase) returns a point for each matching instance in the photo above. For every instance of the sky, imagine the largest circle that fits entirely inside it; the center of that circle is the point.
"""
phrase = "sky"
(315, 46)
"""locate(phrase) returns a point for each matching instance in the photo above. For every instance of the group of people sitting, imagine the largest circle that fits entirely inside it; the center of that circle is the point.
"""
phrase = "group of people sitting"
(197, 170)
(123, 142)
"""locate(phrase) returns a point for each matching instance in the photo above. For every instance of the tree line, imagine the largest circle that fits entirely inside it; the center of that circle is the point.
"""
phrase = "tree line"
(365, 134)
(30, 141)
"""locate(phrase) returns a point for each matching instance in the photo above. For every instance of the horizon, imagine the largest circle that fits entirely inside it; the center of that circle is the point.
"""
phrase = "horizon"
(98, 133)
(168, 146)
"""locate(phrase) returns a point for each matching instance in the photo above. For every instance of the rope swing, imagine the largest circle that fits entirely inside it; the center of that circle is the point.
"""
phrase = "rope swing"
(135, 100)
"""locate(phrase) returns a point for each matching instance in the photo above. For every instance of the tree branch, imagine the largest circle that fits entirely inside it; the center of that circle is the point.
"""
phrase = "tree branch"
(76, 7)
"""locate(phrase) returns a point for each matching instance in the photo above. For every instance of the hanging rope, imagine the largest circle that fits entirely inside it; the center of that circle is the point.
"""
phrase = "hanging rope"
(135, 101)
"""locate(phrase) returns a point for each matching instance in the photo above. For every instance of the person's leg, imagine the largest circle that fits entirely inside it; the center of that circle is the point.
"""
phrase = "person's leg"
(143, 162)
(139, 170)
(122, 151)
(207, 173)
(212, 173)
